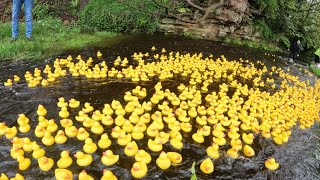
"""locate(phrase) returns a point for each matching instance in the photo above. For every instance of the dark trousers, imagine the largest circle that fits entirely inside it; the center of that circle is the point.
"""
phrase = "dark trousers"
(316, 59)
(293, 55)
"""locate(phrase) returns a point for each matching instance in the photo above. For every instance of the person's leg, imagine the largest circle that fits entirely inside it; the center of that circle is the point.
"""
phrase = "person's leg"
(16, 8)
(316, 59)
(28, 5)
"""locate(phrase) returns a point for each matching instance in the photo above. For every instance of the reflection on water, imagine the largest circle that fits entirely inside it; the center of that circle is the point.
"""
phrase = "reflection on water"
(296, 157)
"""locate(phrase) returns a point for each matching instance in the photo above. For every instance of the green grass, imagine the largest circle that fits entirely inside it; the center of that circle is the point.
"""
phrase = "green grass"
(253, 44)
(50, 37)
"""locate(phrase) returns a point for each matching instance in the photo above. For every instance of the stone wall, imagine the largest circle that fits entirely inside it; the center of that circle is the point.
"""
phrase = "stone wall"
(230, 20)
(209, 29)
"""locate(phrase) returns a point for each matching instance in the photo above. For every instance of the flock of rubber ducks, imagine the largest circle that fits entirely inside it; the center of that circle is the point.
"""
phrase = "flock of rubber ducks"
(229, 122)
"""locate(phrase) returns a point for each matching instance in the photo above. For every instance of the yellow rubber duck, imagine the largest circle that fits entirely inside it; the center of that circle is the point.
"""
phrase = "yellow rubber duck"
(271, 164)
(52, 126)
(83, 159)
(104, 141)
(233, 153)
(24, 128)
(43, 122)
(45, 164)
(89, 147)
(66, 123)
(247, 138)
(60, 138)
(107, 120)
(99, 54)
(197, 137)
(71, 131)
(85, 176)
(220, 141)
(139, 170)
(162, 137)
(27, 144)
(131, 148)
(176, 143)
(41, 110)
(109, 158)
(38, 152)
(61, 103)
(120, 120)
(152, 131)
(137, 134)
(97, 128)
(18, 142)
(8, 82)
(186, 127)
(154, 146)
(44, 82)
(97, 115)
(11, 132)
(39, 131)
(74, 103)
(213, 151)
(142, 155)
(82, 134)
(108, 175)
(63, 174)
(4, 177)
(207, 166)
(18, 177)
(127, 126)
(15, 152)
(123, 140)
(87, 108)
(65, 161)
(107, 110)
(236, 143)
(64, 113)
(248, 151)
(88, 122)
(47, 139)
(16, 78)
(174, 157)
(163, 161)
(24, 163)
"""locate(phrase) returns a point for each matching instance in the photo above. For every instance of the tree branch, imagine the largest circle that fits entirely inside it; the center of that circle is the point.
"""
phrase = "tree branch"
(196, 6)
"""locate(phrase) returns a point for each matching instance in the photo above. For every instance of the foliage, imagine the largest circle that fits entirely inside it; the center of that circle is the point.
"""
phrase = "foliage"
(41, 11)
(110, 15)
(193, 171)
(49, 34)
(284, 20)
(265, 45)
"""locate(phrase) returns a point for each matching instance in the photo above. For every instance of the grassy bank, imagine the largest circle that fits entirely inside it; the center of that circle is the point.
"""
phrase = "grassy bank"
(50, 37)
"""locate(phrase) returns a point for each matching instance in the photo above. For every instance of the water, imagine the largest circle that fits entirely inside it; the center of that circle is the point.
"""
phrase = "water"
(297, 158)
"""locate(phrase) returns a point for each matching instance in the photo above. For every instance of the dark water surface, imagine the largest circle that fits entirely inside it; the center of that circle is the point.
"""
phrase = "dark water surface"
(297, 158)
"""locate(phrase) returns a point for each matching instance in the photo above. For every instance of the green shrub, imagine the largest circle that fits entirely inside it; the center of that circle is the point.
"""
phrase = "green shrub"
(110, 15)
(41, 11)
(263, 29)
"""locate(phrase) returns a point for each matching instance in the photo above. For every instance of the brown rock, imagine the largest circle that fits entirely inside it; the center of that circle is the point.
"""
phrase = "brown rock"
(228, 15)
(66, 22)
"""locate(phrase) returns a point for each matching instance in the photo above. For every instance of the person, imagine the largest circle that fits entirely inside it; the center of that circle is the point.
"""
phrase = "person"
(16, 8)
(317, 56)
(295, 48)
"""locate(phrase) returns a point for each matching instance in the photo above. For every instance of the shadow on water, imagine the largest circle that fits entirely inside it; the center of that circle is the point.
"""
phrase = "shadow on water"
(296, 158)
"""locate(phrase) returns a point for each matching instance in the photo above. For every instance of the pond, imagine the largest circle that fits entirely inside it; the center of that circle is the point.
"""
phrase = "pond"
(298, 158)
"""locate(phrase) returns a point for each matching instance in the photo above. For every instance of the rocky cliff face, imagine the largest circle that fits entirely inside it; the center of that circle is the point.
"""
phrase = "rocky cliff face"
(230, 20)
